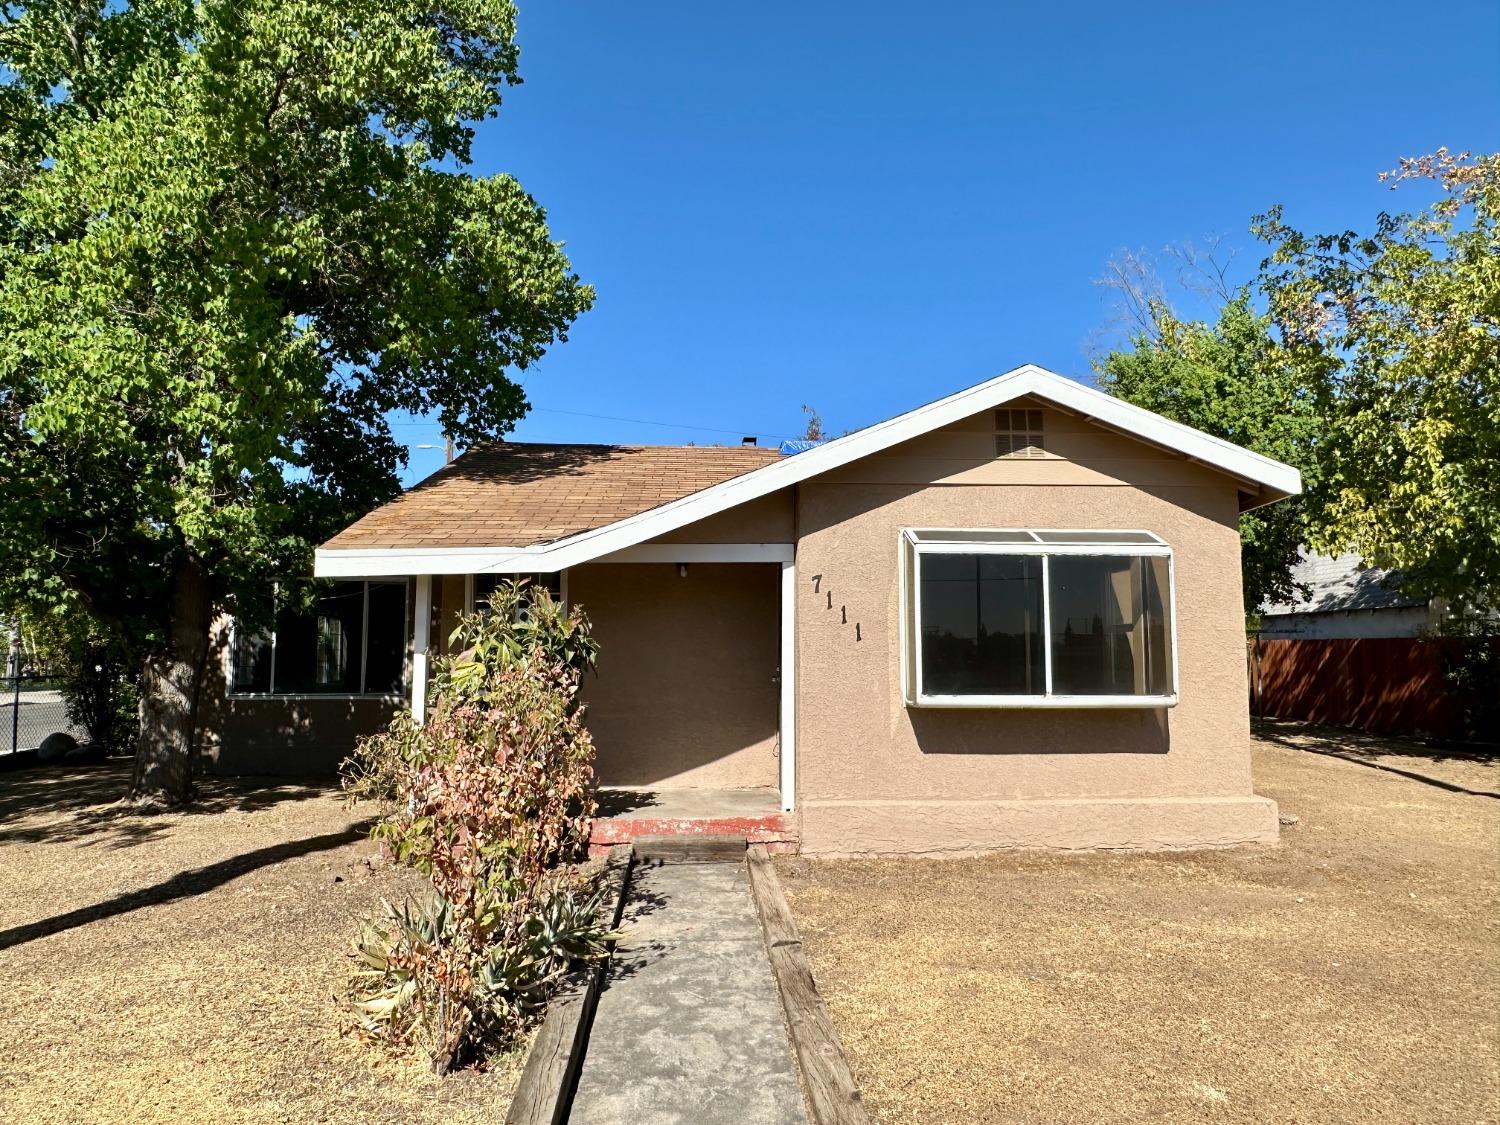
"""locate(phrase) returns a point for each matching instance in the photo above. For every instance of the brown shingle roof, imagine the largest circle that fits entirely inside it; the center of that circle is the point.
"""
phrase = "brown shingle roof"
(518, 494)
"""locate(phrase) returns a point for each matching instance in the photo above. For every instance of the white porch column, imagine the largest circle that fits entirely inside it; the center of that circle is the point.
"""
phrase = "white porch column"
(789, 685)
(421, 642)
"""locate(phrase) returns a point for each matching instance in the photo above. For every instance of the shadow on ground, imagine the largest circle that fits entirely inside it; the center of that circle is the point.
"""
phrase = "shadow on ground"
(1361, 744)
(84, 803)
(182, 885)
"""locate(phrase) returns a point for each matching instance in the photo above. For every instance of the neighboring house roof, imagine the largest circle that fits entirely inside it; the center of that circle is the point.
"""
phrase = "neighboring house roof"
(1262, 480)
(1339, 583)
(520, 494)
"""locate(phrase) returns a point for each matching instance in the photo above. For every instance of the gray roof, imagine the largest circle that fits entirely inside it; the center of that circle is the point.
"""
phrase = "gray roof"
(1339, 583)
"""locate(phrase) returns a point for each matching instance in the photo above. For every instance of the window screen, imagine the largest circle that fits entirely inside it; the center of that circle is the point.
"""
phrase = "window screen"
(313, 649)
(352, 640)
(486, 584)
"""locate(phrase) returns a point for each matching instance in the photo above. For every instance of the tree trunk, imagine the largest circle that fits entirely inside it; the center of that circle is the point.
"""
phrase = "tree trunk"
(169, 692)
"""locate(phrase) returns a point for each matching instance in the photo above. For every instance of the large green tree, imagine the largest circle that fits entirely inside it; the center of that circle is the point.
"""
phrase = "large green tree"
(1398, 334)
(234, 235)
(1232, 379)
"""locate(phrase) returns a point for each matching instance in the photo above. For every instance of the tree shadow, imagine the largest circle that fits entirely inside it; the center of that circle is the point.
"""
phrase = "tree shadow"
(616, 802)
(1354, 743)
(84, 803)
(182, 885)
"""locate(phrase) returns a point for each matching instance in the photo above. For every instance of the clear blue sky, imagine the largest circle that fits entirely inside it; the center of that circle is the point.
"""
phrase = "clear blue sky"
(866, 206)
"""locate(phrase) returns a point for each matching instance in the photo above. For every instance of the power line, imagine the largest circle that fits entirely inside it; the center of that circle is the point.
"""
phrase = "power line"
(614, 418)
(648, 422)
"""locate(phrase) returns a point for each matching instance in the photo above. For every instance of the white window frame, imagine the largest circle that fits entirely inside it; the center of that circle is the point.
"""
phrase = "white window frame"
(232, 648)
(916, 542)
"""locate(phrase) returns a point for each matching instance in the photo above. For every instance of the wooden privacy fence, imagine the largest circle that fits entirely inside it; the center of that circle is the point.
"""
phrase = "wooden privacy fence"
(1386, 685)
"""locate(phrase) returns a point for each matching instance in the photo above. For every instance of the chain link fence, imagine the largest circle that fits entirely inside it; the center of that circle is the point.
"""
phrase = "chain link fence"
(31, 706)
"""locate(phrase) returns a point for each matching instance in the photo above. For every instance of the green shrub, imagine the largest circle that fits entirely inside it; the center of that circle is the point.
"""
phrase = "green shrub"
(487, 798)
(97, 672)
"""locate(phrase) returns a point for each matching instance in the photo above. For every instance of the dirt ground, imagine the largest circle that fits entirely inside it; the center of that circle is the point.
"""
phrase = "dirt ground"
(1472, 767)
(1351, 974)
(184, 967)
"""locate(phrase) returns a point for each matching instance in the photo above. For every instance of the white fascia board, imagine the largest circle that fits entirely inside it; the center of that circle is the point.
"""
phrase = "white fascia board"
(704, 553)
(1136, 421)
(1280, 479)
(382, 562)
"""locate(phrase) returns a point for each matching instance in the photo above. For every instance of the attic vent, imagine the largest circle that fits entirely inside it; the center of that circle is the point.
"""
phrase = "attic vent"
(1018, 433)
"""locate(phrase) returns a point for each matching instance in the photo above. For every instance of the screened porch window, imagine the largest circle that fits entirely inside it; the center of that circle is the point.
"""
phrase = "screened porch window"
(351, 641)
(1011, 618)
(486, 584)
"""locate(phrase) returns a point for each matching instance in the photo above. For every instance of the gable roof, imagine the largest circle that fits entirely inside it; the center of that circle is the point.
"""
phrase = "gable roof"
(523, 494)
(1262, 479)
(1340, 583)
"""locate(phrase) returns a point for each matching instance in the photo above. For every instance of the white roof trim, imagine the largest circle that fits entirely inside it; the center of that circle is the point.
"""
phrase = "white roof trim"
(1278, 479)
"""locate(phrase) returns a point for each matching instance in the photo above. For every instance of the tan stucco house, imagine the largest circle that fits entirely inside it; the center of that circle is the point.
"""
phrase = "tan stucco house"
(1011, 617)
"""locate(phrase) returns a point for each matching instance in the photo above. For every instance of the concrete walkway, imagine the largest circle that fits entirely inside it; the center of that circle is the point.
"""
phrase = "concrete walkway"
(689, 1028)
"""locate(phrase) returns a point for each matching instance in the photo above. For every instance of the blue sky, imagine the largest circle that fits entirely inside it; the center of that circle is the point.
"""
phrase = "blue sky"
(867, 206)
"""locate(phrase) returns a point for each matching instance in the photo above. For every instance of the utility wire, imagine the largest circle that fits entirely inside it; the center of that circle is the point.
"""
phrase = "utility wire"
(648, 422)
(613, 418)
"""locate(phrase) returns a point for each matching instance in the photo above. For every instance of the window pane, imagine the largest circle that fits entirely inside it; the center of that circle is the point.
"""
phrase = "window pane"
(385, 651)
(1096, 537)
(1109, 625)
(318, 652)
(252, 661)
(981, 619)
(957, 535)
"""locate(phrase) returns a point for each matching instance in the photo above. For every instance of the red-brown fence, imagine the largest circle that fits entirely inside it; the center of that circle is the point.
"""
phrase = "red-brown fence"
(1386, 685)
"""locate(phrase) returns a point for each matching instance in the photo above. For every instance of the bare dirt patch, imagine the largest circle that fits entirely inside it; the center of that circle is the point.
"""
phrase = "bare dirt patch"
(184, 967)
(1475, 767)
(1351, 974)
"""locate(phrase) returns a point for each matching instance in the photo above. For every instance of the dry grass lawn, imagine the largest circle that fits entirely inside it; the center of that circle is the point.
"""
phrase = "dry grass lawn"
(184, 967)
(1476, 767)
(1350, 975)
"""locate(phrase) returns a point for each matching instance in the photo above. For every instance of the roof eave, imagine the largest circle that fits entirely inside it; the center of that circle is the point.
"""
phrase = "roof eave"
(1274, 479)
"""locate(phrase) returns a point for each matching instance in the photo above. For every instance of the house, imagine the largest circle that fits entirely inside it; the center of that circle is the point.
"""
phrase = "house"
(1010, 617)
(1344, 598)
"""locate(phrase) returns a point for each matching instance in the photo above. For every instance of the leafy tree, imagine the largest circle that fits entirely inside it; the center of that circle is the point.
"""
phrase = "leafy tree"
(1230, 379)
(814, 430)
(234, 235)
(96, 670)
(1398, 333)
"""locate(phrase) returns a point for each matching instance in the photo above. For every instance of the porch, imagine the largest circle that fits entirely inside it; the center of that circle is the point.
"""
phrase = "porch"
(692, 703)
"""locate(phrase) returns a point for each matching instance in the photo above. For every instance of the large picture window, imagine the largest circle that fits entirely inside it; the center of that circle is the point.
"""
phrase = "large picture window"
(352, 641)
(1012, 618)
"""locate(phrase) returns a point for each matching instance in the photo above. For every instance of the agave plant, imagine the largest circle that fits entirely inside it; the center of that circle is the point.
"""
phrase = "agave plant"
(422, 980)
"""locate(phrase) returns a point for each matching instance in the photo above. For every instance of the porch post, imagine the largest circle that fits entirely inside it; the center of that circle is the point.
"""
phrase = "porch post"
(789, 685)
(421, 642)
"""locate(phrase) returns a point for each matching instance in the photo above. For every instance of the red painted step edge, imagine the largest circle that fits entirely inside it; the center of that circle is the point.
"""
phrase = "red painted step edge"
(778, 832)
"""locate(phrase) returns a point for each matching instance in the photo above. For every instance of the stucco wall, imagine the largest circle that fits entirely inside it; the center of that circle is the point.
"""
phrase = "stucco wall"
(875, 776)
(303, 736)
(770, 519)
(685, 694)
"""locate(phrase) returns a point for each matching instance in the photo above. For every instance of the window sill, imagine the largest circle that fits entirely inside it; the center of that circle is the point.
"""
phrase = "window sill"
(1044, 702)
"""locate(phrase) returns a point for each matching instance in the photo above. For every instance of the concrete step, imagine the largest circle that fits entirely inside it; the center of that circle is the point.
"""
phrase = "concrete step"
(700, 848)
